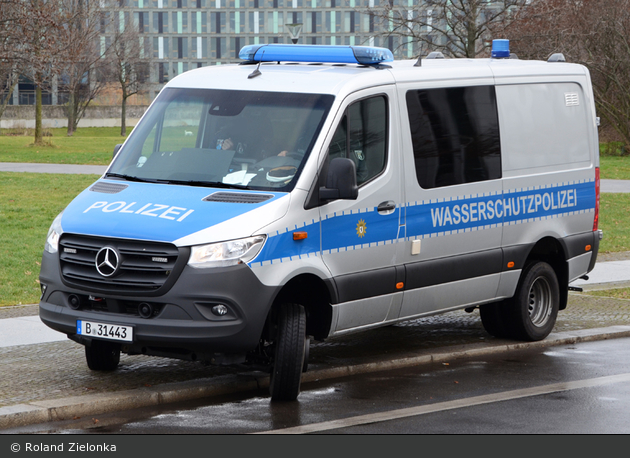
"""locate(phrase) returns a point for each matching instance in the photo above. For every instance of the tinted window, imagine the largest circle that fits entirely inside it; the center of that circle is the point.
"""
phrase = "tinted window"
(455, 135)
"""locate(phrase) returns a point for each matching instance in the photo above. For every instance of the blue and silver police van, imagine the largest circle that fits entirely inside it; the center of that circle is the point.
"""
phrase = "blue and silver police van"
(316, 191)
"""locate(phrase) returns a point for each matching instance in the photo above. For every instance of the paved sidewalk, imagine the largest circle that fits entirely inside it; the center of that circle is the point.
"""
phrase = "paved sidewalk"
(52, 168)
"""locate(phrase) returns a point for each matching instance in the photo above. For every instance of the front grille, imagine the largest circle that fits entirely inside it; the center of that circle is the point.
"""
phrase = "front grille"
(144, 267)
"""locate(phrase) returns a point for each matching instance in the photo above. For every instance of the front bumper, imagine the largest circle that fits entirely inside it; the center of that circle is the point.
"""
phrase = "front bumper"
(183, 323)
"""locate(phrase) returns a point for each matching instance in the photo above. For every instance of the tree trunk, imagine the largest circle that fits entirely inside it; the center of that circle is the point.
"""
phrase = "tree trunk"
(39, 134)
(123, 116)
(71, 114)
(9, 93)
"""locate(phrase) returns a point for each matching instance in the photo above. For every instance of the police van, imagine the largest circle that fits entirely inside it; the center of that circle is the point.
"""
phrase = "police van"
(315, 191)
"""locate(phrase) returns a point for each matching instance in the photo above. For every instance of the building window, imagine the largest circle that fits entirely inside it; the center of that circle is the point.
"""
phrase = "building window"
(160, 22)
(235, 45)
(314, 22)
(199, 22)
(217, 48)
(217, 22)
(162, 73)
(181, 44)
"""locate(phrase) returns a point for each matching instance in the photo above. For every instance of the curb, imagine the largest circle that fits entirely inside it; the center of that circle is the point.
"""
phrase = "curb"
(96, 404)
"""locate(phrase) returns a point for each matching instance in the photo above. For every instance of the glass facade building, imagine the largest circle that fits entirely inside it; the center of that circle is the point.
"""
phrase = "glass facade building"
(178, 35)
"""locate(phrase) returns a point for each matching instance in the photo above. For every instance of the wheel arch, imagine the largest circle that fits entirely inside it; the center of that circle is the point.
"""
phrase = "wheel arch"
(315, 295)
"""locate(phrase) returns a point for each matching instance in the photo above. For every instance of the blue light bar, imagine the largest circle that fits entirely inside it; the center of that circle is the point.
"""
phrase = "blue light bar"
(500, 49)
(365, 55)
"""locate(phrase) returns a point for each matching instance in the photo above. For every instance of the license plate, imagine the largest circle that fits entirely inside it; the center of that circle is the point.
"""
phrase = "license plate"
(105, 331)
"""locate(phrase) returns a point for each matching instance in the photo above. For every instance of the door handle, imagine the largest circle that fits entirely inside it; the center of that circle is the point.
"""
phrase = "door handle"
(386, 208)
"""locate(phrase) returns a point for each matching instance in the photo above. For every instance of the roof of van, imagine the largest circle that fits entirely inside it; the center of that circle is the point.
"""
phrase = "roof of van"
(338, 78)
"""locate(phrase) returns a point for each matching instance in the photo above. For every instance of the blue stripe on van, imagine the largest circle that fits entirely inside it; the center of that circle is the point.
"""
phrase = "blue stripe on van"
(431, 218)
(512, 207)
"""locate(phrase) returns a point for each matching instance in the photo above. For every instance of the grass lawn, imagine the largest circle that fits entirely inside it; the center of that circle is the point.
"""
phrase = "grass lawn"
(614, 220)
(88, 145)
(614, 167)
(28, 204)
(618, 293)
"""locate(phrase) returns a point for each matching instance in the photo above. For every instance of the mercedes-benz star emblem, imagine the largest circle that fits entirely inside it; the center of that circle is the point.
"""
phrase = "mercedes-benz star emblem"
(107, 261)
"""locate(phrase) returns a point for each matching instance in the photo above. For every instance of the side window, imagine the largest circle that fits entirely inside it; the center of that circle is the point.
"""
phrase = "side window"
(455, 135)
(362, 137)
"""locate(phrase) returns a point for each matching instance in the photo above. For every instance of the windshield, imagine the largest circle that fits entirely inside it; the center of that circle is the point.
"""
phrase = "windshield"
(241, 139)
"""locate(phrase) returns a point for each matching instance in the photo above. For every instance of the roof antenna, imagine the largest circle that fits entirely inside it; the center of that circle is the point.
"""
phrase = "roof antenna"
(256, 72)
(418, 62)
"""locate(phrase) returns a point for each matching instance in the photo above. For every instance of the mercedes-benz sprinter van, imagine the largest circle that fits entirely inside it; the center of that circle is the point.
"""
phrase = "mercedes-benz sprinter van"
(315, 191)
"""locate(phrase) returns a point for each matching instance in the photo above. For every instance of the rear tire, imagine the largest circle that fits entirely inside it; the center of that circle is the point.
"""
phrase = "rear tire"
(290, 353)
(531, 314)
(102, 356)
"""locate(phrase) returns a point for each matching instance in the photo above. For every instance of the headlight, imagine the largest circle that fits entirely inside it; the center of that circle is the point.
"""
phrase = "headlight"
(55, 231)
(226, 253)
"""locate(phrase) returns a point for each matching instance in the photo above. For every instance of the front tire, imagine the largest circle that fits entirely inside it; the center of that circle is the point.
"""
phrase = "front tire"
(102, 356)
(531, 314)
(290, 353)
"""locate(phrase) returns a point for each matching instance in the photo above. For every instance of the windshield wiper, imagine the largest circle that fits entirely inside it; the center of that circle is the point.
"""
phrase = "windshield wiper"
(200, 183)
(207, 184)
(132, 178)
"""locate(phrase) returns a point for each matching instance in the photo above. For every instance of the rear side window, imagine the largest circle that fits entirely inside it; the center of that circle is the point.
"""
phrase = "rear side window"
(455, 135)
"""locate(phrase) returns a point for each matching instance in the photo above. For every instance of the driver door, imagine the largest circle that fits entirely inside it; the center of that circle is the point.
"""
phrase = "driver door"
(359, 237)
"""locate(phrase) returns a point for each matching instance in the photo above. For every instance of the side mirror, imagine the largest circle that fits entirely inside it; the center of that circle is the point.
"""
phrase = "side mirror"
(341, 182)
(116, 148)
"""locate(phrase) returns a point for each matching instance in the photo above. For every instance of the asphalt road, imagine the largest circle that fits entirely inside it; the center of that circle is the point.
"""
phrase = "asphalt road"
(579, 388)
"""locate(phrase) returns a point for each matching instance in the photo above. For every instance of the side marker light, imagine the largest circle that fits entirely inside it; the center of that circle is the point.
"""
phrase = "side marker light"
(510, 264)
(300, 235)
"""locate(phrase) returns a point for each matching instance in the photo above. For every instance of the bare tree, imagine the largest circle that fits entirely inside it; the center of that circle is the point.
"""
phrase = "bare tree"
(458, 28)
(546, 27)
(35, 44)
(81, 58)
(591, 32)
(8, 81)
(9, 55)
(128, 65)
